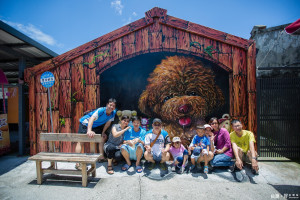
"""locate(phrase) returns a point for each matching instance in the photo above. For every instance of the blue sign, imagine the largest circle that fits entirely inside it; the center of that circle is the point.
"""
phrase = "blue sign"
(47, 79)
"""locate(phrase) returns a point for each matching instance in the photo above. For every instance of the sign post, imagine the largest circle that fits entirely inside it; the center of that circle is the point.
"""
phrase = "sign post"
(47, 80)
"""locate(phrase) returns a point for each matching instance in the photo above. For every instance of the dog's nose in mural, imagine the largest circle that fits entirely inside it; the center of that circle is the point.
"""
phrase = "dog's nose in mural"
(184, 108)
(173, 94)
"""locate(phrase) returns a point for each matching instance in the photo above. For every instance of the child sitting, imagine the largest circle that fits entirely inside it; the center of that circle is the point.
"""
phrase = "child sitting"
(210, 136)
(200, 147)
(180, 155)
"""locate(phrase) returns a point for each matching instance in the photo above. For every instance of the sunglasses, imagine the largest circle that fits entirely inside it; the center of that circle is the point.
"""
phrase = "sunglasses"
(213, 123)
(157, 124)
(177, 142)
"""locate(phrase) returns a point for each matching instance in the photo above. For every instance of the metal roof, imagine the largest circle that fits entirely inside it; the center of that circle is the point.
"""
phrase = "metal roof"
(15, 45)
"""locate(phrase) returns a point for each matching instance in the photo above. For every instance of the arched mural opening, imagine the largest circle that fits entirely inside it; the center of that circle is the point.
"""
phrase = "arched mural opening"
(183, 90)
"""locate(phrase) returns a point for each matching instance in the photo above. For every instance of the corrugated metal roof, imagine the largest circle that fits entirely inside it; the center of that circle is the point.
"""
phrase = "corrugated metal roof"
(13, 46)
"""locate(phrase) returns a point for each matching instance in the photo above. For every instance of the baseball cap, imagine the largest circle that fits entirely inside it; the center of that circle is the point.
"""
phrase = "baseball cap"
(176, 139)
(156, 120)
(208, 126)
(201, 127)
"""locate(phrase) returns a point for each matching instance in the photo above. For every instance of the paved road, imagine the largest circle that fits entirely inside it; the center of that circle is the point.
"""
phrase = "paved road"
(277, 180)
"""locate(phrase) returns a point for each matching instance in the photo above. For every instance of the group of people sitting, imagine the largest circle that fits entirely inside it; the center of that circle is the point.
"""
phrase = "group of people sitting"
(212, 145)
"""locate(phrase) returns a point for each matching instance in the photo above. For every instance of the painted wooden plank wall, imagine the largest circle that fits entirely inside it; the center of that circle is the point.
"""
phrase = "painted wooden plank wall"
(77, 87)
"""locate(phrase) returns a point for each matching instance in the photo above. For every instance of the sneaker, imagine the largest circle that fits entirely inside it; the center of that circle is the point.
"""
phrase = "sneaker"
(232, 168)
(163, 166)
(181, 170)
(173, 168)
(238, 175)
(151, 166)
(205, 169)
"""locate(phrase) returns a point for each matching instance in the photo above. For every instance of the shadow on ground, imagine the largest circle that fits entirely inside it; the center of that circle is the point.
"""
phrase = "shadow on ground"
(11, 161)
(66, 181)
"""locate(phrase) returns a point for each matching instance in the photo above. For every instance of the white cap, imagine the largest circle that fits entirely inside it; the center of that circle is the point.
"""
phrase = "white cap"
(208, 126)
(176, 139)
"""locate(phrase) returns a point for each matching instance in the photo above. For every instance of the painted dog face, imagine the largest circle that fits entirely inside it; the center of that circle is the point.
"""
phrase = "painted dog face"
(181, 91)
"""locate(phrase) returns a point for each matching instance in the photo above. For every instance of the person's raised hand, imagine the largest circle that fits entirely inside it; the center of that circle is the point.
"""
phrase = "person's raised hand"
(212, 138)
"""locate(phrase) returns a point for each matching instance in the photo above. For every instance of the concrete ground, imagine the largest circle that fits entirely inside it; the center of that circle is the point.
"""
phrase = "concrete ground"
(277, 180)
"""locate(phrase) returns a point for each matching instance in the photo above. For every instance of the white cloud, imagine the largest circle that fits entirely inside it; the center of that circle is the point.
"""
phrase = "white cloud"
(129, 20)
(117, 5)
(34, 33)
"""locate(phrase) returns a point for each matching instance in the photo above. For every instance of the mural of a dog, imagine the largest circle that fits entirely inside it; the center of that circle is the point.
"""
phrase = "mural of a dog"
(182, 92)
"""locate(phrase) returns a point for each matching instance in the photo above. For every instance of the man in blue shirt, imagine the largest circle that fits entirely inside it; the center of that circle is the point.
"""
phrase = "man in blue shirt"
(133, 148)
(97, 122)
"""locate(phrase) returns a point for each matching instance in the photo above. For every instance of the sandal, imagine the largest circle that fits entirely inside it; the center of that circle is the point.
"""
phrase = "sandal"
(125, 167)
(110, 170)
(139, 169)
(205, 169)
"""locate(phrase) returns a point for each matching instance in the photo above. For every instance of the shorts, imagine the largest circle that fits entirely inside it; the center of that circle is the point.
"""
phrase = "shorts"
(245, 158)
(180, 158)
(83, 129)
(132, 151)
(156, 157)
(203, 152)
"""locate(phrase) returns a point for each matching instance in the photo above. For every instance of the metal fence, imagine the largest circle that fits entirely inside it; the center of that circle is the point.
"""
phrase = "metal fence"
(278, 110)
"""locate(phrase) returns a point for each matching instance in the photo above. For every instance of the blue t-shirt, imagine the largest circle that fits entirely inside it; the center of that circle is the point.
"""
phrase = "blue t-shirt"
(131, 134)
(100, 116)
(200, 141)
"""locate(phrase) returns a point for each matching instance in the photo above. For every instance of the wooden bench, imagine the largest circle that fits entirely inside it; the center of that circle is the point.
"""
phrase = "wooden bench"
(53, 157)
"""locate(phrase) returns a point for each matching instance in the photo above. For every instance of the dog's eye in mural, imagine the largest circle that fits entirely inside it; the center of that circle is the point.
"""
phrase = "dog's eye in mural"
(192, 93)
(167, 98)
(195, 95)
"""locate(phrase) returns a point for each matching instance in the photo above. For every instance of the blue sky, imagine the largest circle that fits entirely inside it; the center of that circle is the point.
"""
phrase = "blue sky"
(62, 25)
